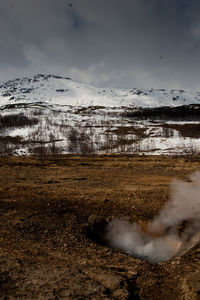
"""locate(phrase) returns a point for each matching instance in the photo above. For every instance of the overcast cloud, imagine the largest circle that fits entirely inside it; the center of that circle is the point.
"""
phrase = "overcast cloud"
(120, 43)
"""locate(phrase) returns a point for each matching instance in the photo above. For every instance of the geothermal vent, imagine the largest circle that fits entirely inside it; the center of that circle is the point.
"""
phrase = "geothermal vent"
(171, 233)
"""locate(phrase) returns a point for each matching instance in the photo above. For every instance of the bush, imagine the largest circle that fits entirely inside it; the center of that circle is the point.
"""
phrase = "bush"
(8, 144)
(41, 152)
(80, 142)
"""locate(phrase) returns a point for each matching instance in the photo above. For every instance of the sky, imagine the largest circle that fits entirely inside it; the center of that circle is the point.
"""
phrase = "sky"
(115, 43)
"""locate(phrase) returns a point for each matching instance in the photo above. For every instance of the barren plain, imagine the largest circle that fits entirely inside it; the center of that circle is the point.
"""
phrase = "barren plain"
(47, 211)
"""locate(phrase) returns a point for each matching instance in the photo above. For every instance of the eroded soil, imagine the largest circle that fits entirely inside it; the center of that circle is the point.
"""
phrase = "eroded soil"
(45, 213)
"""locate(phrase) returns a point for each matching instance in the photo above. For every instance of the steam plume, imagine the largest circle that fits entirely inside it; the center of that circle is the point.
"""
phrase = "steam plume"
(166, 235)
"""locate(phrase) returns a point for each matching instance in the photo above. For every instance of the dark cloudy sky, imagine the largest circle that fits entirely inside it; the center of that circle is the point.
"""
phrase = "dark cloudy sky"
(120, 43)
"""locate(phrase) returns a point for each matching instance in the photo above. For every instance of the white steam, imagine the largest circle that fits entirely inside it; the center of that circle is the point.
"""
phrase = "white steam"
(162, 239)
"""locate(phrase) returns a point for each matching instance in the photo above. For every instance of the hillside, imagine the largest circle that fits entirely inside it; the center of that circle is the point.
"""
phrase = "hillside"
(48, 113)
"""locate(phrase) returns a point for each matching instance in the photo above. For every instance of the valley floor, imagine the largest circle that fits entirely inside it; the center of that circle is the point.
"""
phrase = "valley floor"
(47, 209)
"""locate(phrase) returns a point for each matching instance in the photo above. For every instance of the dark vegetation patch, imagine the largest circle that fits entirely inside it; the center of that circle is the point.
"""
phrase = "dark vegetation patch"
(16, 120)
(185, 130)
(139, 131)
(179, 113)
(11, 139)
(25, 105)
(88, 110)
(8, 144)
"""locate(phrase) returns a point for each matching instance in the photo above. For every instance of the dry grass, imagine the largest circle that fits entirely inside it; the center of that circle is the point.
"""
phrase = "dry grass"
(45, 252)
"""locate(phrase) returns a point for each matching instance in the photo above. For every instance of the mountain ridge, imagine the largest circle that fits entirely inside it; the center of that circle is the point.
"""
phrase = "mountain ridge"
(61, 90)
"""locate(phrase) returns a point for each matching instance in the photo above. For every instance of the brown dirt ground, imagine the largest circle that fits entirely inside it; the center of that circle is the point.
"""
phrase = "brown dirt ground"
(45, 251)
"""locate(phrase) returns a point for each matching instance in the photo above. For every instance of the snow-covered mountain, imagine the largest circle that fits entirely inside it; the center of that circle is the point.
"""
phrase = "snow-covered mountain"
(64, 91)
(48, 113)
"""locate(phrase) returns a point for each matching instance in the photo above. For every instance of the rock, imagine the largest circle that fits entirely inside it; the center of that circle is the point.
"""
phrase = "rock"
(97, 228)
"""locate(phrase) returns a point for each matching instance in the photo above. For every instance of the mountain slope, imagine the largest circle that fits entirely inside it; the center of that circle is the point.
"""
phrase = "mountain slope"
(53, 114)
(63, 91)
